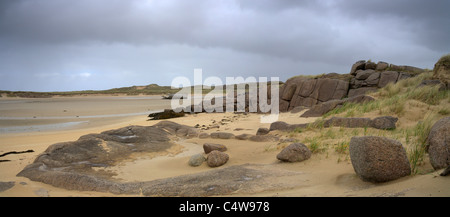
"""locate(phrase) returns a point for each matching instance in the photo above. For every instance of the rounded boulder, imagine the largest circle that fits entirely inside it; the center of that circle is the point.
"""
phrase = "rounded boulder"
(217, 158)
(295, 152)
(378, 159)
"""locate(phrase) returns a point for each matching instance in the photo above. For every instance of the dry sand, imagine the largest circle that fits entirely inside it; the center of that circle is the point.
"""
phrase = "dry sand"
(322, 175)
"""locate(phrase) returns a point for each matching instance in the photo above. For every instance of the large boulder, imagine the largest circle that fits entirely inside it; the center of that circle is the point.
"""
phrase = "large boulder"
(387, 77)
(217, 158)
(439, 144)
(378, 159)
(295, 152)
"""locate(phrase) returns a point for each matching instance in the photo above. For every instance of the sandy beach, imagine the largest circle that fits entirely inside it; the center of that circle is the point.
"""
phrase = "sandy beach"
(35, 124)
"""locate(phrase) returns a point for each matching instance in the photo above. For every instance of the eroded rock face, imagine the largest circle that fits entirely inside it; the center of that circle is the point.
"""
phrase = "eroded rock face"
(378, 159)
(308, 92)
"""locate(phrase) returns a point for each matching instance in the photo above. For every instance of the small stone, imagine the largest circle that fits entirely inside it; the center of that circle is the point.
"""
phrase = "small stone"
(295, 152)
(196, 160)
(209, 147)
(217, 158)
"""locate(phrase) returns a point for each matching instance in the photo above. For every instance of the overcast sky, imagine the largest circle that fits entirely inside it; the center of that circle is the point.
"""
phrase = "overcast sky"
(57, 45)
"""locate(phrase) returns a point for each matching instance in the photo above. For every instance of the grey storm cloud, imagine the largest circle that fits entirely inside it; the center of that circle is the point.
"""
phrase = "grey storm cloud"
(48, 43)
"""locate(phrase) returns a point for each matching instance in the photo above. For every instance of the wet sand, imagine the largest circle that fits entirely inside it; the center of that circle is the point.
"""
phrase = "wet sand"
(322, 175)
(62, 113)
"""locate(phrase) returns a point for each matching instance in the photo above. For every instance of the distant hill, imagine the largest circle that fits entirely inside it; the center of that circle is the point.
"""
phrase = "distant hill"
(152, 89)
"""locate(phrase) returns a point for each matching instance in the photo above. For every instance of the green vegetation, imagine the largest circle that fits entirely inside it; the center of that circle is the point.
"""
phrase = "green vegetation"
(393, 98)
(417, 108)
(444, 60)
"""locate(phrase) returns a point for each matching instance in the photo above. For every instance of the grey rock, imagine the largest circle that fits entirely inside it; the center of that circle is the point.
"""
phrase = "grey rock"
(384, 122)
(373, 79)
(6, 185)
(222, 135)
(378, 159)
(361, 91)
(321, 109)
(262, 131)
(203, 135)
(370, 65)
(308, 87)
(196, 160)
(326, 88)
(244, 136)
(289, 92)
(439, 144)
(381, 66)
(298, 109)
(217, 159)
(387, 77)
(283, 126)
(71, 164)
(295, 152)
(363, 74)
(358, 65)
